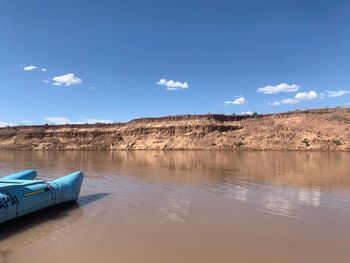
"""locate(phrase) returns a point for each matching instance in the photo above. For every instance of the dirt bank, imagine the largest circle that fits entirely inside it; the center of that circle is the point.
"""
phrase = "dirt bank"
(323, 129)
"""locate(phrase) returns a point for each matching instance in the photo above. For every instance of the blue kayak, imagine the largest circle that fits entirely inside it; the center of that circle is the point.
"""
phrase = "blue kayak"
(20, 194)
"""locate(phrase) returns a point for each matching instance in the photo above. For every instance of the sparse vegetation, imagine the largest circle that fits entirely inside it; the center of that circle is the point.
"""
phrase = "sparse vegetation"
(336, 142)
(341, 119)
(239, 144)
(306, 142)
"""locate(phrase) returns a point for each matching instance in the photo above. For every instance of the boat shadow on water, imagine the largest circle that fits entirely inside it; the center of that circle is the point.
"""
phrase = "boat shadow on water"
(41, 223)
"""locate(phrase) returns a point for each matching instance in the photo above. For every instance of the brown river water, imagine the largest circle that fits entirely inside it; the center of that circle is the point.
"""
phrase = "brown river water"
(185, 206)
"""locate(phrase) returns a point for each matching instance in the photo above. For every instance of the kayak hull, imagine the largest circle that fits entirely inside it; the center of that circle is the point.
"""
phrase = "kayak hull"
(22, 196)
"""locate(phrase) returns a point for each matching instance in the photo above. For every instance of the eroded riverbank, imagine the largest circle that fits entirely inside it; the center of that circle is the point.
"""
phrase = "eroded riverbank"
(327, 129)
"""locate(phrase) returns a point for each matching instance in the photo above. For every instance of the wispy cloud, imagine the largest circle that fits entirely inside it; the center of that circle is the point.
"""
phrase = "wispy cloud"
(4, 124)
(283, 87)
(172, 85)
(26, 122)
(247, 113)
(306, 95)
(337, 93)
(238, 101)
(58, 120)
(289, 101)
(96, 121)
(322, 95)
(30, 68)
(275, 103)
(46, 81)
(66, 80)
(63, 120)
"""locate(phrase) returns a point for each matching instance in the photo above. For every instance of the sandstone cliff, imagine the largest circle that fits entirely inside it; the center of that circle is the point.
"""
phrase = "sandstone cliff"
(327, 129)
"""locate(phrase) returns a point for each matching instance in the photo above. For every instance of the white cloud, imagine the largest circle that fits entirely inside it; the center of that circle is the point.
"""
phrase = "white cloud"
(298, 97)
(283, 87)
(337, 93)
(172, 85)
(247, 113)
(93, 88)
(275, 103)
(239, 101)
(58, 120)
(4, 124)
(45, 81)
(289, 101)
(91, 121)
(306, 95)
(30, 68)
(63, 120)
(27, 122)
(66, 80)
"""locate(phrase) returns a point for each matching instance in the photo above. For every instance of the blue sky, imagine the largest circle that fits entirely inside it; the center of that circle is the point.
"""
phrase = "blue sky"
(86, 61)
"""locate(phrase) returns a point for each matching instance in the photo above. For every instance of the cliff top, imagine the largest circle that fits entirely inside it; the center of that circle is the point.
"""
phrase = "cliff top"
(187, 118)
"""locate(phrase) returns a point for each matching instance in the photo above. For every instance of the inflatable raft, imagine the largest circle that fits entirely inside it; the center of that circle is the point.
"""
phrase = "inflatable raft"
(20, 194)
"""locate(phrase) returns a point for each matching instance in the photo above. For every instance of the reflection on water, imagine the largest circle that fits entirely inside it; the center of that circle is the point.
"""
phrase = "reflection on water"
(310, 196)
(237, 192)
(200, 206)
(176, 210)
(279, 205)
(308, 169)
(37, 226)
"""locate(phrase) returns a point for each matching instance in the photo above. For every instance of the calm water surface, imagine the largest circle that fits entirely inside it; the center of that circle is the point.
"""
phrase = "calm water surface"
(150, 206)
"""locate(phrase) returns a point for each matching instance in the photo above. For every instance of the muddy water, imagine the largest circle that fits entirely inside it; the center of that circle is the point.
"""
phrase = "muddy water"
(151, 206)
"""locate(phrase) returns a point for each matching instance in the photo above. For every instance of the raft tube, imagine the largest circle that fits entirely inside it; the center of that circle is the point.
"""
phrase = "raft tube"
(24, 175)
(22, 196)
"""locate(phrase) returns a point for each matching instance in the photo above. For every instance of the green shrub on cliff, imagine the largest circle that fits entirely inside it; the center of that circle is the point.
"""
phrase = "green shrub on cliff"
(336, 142)
(306, 142)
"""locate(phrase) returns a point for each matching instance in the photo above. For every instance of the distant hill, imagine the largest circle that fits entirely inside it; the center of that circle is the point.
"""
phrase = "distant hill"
(320, 129)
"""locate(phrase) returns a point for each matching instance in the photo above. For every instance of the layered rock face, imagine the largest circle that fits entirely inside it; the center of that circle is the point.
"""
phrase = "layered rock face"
(327, 129)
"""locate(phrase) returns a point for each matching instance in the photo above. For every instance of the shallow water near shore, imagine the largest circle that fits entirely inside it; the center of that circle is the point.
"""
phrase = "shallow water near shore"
(187, 206)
